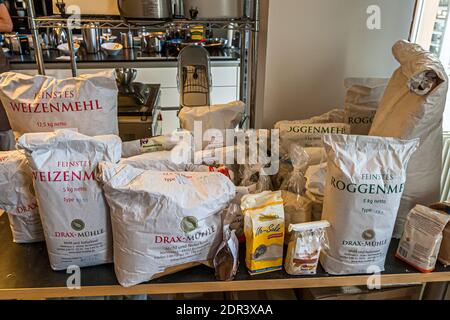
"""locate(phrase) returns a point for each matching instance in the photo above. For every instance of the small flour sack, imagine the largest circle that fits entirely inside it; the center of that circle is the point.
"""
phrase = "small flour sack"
(422, 238)
(72, 207)
(17, 197)
(412, 107)
(365, 181)
(168, 219)
(306, 135)
(264, 231)
(87, 103)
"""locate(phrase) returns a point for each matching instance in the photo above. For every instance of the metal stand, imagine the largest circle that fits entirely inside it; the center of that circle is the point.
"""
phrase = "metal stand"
(248, 26)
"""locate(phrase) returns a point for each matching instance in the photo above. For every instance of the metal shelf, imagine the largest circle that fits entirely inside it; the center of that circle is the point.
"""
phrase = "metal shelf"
(249, 29)
(119, 24)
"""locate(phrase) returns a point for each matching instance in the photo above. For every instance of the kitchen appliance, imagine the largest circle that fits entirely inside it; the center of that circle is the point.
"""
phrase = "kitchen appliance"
(91, 38)
(152, 42)
(214, 9)
(145, 9)
(194, 77)
(21, 8)
(138, 105)
(18, 44)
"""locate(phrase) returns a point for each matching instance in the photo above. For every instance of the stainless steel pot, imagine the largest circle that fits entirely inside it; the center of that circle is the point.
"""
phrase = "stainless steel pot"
(214, 9)
(91, 38)
(145, 9)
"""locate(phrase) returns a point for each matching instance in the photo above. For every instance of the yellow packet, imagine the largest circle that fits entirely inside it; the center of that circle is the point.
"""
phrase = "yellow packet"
(264, 231)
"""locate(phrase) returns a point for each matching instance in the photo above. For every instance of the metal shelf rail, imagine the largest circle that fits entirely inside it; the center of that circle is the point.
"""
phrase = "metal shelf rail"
(248, 26)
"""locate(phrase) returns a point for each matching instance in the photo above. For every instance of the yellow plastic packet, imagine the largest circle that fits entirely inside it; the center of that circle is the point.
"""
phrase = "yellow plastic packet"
(264, 231)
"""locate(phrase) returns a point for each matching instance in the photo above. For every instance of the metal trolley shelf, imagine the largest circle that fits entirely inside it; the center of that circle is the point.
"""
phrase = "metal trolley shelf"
(118, 24)
(249, 28)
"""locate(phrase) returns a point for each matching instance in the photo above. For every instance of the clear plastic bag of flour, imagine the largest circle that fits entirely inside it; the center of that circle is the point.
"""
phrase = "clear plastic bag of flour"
(305, 244)
(296, 181)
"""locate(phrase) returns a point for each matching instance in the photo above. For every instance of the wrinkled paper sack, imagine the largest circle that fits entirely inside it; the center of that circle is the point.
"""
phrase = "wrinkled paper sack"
(17, 197)
(412, 107)
(169, 219)
(365, 182)
(38, 103)
(72, 207)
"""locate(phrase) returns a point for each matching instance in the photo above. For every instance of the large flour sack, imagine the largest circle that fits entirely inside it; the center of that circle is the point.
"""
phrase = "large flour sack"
(361, 102)
(162, 220)
(17, 197)
(365, 181)
(306, 135)
(72, 207)
(412, 107)
(43, 104)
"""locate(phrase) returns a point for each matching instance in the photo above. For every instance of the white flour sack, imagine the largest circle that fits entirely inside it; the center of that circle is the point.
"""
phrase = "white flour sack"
(412, 107)
(44, 104)
(17, 197)
(162, 220)
(306, 135)
(221, 116)
(365, 181)
(361, 102)
(72, 207)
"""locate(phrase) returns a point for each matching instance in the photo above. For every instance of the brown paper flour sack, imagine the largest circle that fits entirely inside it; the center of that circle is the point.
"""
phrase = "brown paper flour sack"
(17, 197)
(412, 107)
(87, 103)
(72, 207)
(361, 102)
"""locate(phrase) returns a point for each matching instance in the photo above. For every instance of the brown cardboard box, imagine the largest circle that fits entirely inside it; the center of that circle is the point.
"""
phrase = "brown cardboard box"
(412, 292)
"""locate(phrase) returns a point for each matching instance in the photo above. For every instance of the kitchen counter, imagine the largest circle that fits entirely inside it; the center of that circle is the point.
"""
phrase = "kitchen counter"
(128, 58)
(25, 273)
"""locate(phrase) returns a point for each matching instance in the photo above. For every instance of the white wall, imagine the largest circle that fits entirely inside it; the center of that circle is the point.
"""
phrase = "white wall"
(313, 45)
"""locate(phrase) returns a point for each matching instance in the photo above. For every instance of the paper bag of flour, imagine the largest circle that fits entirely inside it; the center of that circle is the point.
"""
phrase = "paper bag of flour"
(361, 102)
(72, 207)
(306, 135)
(422, 238)
(264, 231)
(365, 181)
(167, 219)
(412, 107)
(44, 104)
(17, 197)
